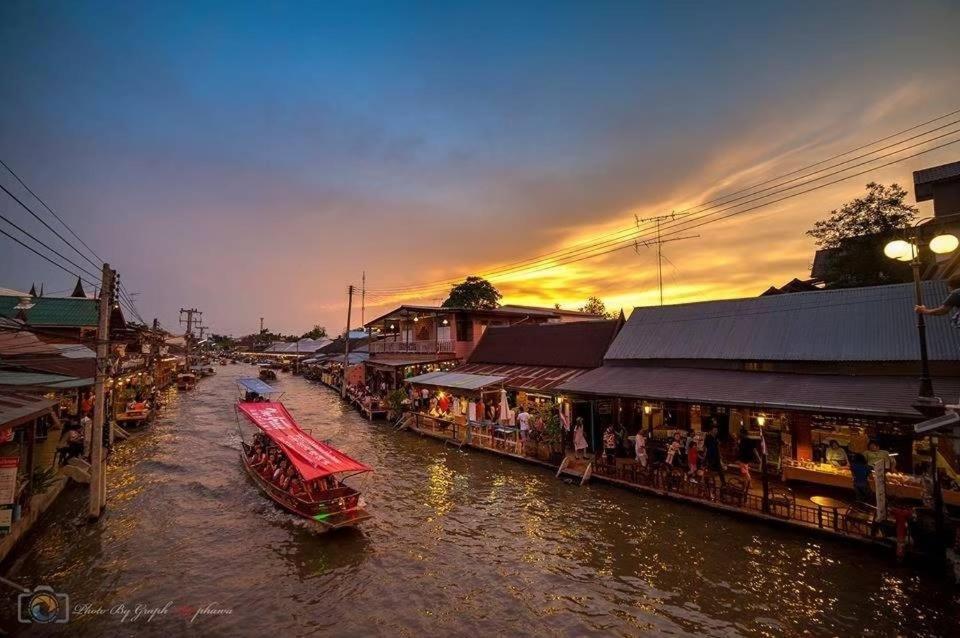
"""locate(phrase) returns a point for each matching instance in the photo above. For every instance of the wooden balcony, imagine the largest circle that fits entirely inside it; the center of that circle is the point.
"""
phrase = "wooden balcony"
(412, 347)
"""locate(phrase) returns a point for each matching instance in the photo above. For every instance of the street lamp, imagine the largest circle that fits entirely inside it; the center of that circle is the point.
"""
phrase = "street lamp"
(926, 403)
(909, 251)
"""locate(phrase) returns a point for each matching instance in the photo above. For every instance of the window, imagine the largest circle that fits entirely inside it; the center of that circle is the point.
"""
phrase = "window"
(464, 329)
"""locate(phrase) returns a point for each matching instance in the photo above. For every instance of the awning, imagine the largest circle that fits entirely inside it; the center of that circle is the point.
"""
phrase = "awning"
(393, 364)
(41, 380)
(456, 380)
(256, 385)
(18, 408)
(311, 458)
(879, 396)
(530, 378)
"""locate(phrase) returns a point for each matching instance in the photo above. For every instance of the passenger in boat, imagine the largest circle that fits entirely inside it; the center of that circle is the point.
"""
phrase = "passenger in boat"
(296, 488)
(286, 478)
(281, 470)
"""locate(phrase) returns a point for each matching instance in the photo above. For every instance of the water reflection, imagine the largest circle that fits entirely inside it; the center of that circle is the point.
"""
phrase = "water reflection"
(462, 543)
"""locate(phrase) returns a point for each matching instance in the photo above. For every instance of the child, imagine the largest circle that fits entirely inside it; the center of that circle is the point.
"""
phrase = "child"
(692, 460)
(640, 446)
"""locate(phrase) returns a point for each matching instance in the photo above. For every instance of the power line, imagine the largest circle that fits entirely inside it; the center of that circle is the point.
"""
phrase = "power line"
(681, 224)
(52, 212)
(54, 251)
(48, 226)
(31, 249)
(592, 243)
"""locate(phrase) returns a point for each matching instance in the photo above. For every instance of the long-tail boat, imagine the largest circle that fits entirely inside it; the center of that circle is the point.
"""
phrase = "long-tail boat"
(320, 468)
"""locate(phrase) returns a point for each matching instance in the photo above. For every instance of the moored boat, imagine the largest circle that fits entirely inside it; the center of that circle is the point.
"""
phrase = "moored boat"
(266, 374)
(186, 381)
(309, 474)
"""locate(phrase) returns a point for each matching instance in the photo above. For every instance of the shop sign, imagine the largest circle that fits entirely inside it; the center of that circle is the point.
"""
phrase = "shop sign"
(8, 491)
(605, 407)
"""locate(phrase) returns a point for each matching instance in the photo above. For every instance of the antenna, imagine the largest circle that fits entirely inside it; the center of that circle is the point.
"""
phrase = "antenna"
(658, 242)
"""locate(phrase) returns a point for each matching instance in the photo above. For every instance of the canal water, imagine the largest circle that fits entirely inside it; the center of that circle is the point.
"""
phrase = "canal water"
(462, 544)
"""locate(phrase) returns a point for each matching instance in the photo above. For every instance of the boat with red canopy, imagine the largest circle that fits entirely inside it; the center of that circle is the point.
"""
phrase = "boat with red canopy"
(299, 473)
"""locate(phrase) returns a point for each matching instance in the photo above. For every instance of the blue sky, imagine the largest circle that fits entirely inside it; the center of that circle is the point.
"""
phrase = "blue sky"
(251, 159)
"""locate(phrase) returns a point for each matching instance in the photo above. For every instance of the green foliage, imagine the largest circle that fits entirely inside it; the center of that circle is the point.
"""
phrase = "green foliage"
(856, 233)
(42, 479)
(881, 211)
(596, 306)
(395, 400)
(474, 293)
(318, 332)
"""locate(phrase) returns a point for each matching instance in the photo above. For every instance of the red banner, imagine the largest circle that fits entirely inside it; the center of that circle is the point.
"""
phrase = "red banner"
(311, 458)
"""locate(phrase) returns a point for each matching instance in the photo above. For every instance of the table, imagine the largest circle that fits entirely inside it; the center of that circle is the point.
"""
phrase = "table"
(826, 502)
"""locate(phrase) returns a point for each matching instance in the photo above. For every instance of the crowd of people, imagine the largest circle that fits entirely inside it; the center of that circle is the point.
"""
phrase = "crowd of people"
(273, 466)
(77, 433)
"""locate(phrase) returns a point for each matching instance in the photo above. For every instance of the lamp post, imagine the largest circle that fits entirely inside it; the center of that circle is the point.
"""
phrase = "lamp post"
(909, 251)
(927, 403)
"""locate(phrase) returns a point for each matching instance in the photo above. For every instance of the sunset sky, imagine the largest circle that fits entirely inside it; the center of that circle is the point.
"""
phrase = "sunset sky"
(253, 159)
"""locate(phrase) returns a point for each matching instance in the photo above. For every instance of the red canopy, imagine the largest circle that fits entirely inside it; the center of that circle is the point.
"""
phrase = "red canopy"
(311, 458)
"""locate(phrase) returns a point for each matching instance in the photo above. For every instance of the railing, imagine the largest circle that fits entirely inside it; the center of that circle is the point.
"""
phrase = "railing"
(411, 347)
(711, 489)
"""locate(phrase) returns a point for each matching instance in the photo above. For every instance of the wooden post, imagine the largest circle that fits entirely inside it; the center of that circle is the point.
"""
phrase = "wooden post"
(346, 344)
(98, 475)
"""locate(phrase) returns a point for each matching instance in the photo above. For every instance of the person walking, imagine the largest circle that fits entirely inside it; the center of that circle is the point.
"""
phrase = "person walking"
(714, 460)
(640, 449)
(861, 470)
(579, 441)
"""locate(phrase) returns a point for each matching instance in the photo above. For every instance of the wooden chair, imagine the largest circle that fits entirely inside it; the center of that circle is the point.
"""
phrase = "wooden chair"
(734, 492)
(782, 501)
(860, 518)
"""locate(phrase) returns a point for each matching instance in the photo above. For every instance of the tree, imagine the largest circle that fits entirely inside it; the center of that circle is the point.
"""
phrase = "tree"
(881, 211)
(475, 293)
(318, 332)
(595, 306)
(853, 236)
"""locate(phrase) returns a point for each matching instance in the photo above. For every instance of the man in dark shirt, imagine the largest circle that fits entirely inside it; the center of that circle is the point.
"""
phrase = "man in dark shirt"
(951, 303)
(712, 452)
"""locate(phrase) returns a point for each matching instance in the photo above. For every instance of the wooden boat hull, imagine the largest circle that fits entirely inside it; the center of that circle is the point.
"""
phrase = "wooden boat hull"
(326, 521)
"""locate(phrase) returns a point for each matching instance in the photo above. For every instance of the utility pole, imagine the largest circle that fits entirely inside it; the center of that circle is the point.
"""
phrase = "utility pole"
(98, 474)
(346, 344)
(658, 242)
(188, 335)
(363, 300)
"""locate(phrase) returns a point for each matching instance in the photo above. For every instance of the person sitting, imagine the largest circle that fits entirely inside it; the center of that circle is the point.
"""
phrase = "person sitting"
(296, 488)
(836, 454)
(286, 478)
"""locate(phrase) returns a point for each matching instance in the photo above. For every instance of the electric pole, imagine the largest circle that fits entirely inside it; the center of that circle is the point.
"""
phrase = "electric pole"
(188, 335)
(346, 344)
(363, 300)
(659, 244)
(98, 474)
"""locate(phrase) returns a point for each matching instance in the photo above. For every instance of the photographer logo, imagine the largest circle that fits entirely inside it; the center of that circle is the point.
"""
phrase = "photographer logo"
(43, 605)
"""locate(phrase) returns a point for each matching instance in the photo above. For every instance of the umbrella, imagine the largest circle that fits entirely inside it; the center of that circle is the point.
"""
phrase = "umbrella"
(504, 409)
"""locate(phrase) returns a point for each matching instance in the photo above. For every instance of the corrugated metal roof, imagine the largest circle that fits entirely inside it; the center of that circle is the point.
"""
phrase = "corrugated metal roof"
(410, 361)
(854, 324)
(869, 395)
(54, 311)
(579, 344)
(936, 173)
(17, 408)
(456, 380)
(36, 379)
(924, 179)
(535, 378)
